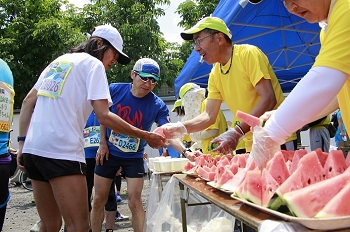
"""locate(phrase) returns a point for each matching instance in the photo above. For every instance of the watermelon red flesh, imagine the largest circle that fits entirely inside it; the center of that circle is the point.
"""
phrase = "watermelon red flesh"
(234, 182)
(226, 176)
(309, 171)
(335, 164)
(322, 156)
(297, 156)
(203, 173)
(268, 188)
(277, 168)
(308, 201)
(288, 155)
(249, 119)
(338, 206)
(252, 188)
(188, 166)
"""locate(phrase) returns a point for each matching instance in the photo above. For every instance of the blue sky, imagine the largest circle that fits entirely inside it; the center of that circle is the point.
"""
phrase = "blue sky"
(167, 23)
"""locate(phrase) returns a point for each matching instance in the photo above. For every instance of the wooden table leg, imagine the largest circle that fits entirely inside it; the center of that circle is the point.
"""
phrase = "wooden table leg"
(183, 208)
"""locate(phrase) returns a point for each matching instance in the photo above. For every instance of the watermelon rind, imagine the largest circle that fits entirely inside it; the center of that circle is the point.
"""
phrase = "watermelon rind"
(308, 201)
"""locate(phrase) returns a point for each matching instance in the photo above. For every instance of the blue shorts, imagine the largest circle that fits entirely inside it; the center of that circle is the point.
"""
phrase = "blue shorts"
(131, 168)
(44, 169)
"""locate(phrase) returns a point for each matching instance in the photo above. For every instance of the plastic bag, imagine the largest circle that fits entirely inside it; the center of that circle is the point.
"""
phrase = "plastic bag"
(165, 215)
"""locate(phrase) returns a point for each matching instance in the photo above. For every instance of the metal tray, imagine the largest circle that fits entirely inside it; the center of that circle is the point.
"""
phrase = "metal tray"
(311, 223)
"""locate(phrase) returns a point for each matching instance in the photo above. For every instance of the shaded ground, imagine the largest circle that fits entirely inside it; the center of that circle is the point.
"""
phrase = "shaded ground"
(21, 214)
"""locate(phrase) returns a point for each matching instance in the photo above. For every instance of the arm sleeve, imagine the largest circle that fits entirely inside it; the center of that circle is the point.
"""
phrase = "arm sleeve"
(311, 95)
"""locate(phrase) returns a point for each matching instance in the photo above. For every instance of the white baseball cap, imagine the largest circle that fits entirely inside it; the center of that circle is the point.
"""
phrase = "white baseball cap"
(112, 35)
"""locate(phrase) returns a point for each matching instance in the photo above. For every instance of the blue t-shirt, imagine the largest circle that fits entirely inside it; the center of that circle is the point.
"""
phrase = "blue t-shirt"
(91, 136)
(6, 77)
(139, 112)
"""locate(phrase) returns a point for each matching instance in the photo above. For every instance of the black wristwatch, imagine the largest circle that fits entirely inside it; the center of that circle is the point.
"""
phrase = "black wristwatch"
(21, 138)
(183, 154)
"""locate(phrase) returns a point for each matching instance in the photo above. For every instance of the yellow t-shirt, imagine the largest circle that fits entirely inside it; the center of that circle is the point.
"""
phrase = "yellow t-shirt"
(335, 51)
(220, 124)
(236, 89)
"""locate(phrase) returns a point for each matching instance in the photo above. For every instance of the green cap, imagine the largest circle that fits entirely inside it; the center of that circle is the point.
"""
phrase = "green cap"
(214, 23)
(177, 104)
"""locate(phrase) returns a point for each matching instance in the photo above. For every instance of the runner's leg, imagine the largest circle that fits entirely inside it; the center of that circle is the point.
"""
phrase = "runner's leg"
(102, 186)
(49, 213)
(134, 188)
(70, 193)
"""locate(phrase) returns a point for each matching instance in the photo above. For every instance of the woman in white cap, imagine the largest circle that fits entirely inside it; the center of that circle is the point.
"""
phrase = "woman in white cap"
(53, 116)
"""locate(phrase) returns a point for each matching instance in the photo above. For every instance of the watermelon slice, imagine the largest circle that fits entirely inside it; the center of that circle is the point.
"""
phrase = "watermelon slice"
(251, 120)
(335, 164)
(297, 156)
(309, 171)
(235, 181)
(322, 156)
(277, 168)
(268, 188)
(226, 176)
(338, 206)
(308, 201)
(252, 187)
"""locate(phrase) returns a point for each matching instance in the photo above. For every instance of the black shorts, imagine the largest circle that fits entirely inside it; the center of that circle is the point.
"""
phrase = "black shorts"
(44, 169)
(131, 168)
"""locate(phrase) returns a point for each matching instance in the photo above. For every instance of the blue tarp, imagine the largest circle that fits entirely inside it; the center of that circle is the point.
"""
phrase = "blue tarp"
(290, 43)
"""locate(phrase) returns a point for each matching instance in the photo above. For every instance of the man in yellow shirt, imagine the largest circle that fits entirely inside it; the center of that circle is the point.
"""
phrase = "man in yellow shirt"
(325, 85)
(242, 77)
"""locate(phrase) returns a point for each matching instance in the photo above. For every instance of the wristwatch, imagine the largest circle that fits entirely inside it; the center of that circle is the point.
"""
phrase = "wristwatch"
(183, 154)
(21, 138)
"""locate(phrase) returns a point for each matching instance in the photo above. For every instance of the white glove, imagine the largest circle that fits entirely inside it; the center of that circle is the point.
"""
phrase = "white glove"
(174, 130)
(227, 141)
(264, 147)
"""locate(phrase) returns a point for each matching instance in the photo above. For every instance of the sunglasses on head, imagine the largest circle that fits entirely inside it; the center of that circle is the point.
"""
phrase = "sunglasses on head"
(146, 79)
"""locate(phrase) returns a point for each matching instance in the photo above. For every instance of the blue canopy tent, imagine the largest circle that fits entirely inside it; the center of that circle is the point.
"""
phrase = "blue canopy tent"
(290, 43)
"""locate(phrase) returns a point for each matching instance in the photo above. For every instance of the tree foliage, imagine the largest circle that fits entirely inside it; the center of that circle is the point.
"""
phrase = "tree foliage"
(190, 13)
(34, 32)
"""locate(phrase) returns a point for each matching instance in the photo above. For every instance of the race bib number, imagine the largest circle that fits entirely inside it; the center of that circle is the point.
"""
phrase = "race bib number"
(7, 95)
(55, 78)
(92, 136)
(124, 143)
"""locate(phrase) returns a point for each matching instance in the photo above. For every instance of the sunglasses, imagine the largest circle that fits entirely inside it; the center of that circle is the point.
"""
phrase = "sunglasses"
(146, 79)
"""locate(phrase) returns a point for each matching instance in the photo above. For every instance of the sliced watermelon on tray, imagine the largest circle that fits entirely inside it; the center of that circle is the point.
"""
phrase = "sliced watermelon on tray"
(338, 206)
(308, 201)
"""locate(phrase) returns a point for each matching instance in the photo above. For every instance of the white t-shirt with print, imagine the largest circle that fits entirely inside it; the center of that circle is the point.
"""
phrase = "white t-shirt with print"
(65, 90)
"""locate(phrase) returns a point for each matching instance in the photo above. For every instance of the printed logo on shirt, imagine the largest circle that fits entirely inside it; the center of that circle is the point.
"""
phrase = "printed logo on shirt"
(54, 79)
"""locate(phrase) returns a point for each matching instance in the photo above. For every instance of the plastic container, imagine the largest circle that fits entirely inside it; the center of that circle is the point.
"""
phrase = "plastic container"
(177, 164)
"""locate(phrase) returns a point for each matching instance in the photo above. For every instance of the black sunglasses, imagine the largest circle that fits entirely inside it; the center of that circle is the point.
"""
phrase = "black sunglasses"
(146, 79)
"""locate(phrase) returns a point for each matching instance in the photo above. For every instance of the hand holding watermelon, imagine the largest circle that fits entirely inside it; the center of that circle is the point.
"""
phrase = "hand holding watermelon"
(227, 141)
(174, 130)
(264, 147)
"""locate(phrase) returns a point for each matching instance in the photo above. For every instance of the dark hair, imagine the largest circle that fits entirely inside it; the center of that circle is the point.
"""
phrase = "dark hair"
(180, 110)
(91, 47)
(213, 32)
